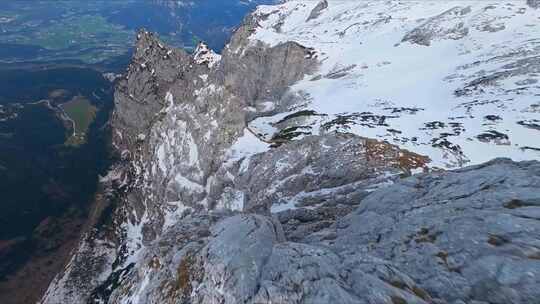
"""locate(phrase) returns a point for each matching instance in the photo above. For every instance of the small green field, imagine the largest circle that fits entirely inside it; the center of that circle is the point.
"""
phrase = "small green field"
(82, 113)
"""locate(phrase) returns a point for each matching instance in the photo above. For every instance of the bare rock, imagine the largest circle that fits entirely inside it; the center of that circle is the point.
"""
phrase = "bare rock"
(317, 10)
(533, 3)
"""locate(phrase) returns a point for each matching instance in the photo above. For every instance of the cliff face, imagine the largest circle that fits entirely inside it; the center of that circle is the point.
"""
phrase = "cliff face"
(243, 177)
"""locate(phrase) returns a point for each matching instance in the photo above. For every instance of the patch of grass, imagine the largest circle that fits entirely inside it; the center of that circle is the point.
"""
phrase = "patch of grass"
(82, 113)
(381, 152)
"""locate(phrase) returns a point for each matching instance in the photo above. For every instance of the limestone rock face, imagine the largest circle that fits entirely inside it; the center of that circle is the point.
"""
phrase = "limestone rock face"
(179, 128)
(466, 235)
(245, 176)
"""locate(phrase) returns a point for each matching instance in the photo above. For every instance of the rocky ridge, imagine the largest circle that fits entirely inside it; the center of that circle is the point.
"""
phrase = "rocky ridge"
(208, 206)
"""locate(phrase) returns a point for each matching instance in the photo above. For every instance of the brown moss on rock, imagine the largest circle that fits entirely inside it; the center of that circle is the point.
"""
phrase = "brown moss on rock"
(183, 282)
(383, 152)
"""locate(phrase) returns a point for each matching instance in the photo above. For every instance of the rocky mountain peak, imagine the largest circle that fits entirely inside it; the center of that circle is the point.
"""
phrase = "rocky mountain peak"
(204, 55)
(300, 165)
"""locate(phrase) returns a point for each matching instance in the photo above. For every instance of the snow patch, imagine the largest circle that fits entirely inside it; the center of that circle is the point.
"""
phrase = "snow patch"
(204, 55)
(400, 91)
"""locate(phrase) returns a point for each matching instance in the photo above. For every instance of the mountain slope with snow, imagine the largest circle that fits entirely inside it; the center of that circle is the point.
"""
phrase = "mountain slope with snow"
(454, 80)
(276, 172)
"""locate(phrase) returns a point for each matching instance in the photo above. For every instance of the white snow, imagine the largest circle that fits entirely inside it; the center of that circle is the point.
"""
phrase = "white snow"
(204, 55)
(204, 77)
(169, 98)
(267, 106)
(382, 73)
(133, 238)
(161, 158)
(246, 146)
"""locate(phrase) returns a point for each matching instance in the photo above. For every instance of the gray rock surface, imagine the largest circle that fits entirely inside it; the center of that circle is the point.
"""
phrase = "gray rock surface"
(447, 25)
(202, 209)
(317, 10)
(466, 236)
(452, 237)
(332, 169)
(533, 3)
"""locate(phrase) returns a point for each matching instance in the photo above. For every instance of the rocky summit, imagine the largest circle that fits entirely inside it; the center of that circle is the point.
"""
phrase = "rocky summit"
(320, 158)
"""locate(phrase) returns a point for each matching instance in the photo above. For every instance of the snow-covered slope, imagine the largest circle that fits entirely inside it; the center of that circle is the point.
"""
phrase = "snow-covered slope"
(454, 80)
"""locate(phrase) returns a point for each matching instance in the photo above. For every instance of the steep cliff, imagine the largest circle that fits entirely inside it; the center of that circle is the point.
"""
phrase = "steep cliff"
(244, 177)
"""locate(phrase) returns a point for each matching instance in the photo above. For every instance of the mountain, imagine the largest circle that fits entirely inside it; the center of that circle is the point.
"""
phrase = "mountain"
(279, 171)
(456, 81)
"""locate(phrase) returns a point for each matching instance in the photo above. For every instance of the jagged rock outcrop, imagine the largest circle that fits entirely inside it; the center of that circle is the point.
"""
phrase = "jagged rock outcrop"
(317, 10)
(231, 189)
(177, 118)
(533, 3)
(452, 237)
(469, 235)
